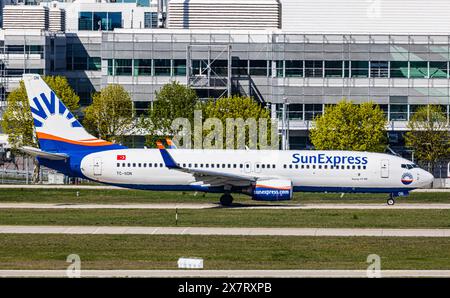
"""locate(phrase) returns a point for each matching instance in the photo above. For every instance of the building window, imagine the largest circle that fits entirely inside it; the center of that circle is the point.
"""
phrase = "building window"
(399, 69)
(258, 68)
(296, 111)
(279, 66)
(143, 67)
(100, 21)
(219, 68)
(314, 69)
(239, 67)
(114, 20)
(162, 67)
(294, 68)
(398, 112)
(85, 20)
(438, 70)
(94, 63)
(312, 111)
(150, 19)
(379, 69)
(333, 69)
(123, 67)
(80, 63)
(418, 69)
(179, 67)
(360, 69)
(199, 67)
(110, 67)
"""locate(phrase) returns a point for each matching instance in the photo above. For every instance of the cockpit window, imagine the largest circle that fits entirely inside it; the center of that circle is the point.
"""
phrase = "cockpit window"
(409, 166)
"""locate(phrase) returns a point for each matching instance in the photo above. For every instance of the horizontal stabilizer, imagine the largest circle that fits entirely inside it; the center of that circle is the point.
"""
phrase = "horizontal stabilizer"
(43, 154)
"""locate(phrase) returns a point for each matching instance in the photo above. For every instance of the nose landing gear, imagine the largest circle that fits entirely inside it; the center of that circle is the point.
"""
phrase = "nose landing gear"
(226, 199)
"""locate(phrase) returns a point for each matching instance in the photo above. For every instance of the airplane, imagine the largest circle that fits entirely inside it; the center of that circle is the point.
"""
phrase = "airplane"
(264, 175)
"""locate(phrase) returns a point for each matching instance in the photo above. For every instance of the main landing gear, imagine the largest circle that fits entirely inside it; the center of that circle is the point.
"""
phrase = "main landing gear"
(226, 199)
(391, 200)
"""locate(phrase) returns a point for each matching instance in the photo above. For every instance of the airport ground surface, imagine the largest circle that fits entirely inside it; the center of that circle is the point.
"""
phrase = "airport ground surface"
(95, 208)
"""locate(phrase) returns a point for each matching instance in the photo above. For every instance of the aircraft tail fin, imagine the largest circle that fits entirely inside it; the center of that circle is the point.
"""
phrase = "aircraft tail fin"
(56, 128)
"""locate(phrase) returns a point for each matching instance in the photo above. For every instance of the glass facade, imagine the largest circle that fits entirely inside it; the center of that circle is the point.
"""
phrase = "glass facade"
(150, 20)
(97, 20)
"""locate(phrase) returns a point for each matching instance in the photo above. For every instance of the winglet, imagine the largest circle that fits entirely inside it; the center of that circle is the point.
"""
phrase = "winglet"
(168, 160)
(159, 145)
(171, 144)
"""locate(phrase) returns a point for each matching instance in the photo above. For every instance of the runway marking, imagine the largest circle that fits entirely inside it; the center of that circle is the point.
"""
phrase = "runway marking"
(169, 206)
(227, 273)
(316, 232)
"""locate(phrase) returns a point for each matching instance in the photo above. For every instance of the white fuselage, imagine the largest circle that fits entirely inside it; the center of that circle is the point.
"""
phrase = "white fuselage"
(338, 171)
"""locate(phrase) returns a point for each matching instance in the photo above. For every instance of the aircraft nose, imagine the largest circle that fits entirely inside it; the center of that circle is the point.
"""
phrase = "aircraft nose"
(428, 178)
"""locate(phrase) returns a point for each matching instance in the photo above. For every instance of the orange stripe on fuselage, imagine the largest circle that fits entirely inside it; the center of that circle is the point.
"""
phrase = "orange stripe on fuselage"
(45, 136)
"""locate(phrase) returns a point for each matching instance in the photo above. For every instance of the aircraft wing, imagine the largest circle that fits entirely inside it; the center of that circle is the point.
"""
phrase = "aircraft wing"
(43, 154)
(209, 177)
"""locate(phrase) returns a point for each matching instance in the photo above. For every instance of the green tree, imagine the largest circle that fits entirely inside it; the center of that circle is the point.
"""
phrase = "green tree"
(347, 126)
(429, 135)
(17, 120)
(237, 115)
(111, 113)
(173, 101)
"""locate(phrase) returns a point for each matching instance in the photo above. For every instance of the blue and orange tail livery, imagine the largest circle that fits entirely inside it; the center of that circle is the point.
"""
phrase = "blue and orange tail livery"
(170, 144)
(56, 128)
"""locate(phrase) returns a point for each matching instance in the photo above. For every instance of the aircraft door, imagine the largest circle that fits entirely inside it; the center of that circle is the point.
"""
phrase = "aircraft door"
(97, 166)
(385, 168)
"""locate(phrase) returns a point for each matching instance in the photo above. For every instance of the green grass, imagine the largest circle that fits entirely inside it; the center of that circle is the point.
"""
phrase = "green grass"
(231, 252)
(223, 217)
(104, 196)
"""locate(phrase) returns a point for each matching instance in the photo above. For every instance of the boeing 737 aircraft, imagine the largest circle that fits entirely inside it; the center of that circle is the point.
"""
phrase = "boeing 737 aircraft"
(265, 175)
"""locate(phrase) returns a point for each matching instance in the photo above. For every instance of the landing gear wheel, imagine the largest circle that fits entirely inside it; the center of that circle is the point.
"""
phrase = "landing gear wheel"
(226, 200)
(391, 201)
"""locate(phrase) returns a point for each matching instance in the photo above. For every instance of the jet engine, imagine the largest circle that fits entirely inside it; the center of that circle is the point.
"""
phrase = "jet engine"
(272, 190)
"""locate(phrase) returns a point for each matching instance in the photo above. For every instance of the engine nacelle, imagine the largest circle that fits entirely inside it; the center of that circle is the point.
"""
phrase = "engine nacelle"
(272, 190)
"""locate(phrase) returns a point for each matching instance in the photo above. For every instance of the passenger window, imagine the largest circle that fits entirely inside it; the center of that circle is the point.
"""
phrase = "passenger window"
(314, 166)
(241, 166)
(325, 167)
(118, 165)
(364, 167)
(129, 165)
(150, 165)
(145, 165)
(284, 166)
(290, 166)
(320, 167)
(161, 165)
(139, 165)
(123, 165)
(296, 166)
(342, 167)
(307, 166)
(235, 166)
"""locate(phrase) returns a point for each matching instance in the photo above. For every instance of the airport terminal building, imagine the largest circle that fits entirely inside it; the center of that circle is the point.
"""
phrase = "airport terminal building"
(298, 55)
